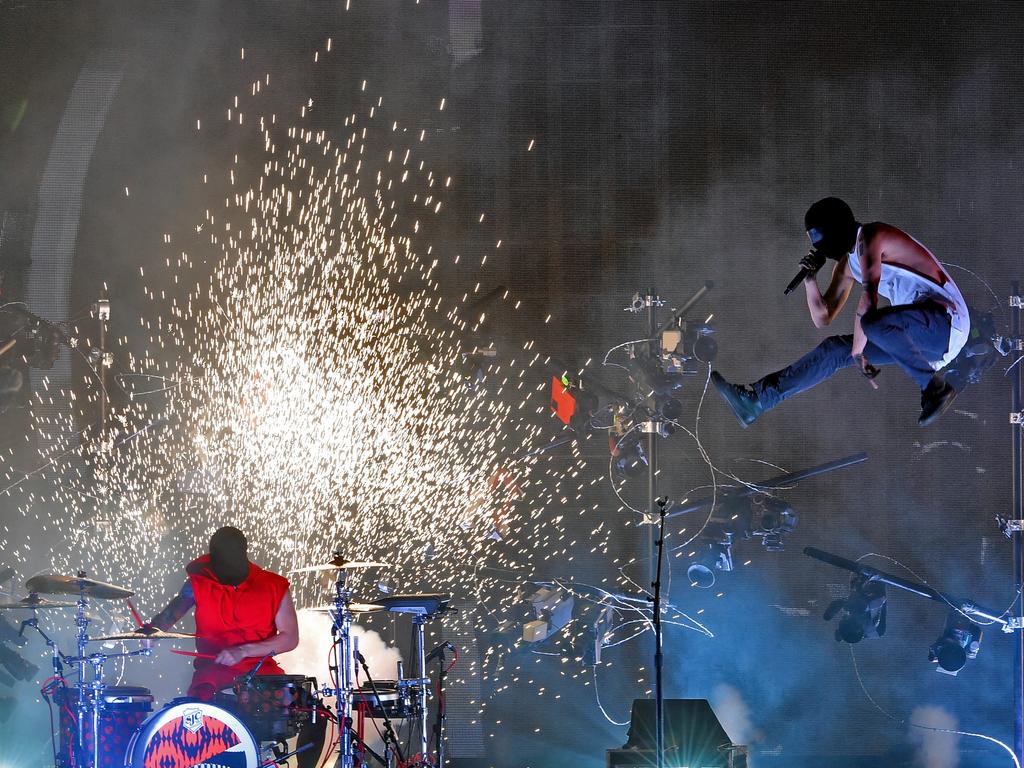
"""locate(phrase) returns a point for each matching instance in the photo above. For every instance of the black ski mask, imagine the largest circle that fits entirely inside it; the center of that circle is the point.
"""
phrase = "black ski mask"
(228, 559)
(831, 227)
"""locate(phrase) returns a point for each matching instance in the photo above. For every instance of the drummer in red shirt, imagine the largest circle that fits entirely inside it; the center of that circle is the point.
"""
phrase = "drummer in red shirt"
(244, 615)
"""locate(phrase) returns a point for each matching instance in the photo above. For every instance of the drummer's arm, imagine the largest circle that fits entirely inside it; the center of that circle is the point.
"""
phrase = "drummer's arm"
(175, 610)
(286, 639)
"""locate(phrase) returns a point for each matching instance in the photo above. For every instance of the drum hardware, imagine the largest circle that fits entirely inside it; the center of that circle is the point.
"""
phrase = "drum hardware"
(346, 655)
(279, 759)
(389, 732)
(89, 696)
(422, 608)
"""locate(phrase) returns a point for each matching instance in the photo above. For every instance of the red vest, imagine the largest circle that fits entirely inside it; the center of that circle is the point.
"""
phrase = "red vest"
(228, 616)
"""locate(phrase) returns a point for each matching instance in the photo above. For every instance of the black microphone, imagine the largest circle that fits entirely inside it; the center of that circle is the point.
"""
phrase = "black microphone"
(254, 670)
(445, 646)
(804, 273)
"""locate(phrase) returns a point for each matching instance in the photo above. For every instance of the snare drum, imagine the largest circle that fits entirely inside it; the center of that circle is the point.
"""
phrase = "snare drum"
(396, 700)
(275, 707)
(187, 733)
(124, 709)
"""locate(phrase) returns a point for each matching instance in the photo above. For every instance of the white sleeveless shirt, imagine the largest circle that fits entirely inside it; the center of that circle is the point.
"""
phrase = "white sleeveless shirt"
(902, 286)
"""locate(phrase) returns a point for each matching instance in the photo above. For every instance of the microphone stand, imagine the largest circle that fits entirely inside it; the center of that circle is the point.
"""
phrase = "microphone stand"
(389, 732)
(659, 691)
(442, 707)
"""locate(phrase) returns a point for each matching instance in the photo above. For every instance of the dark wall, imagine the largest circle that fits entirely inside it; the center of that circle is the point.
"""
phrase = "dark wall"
(673, 143)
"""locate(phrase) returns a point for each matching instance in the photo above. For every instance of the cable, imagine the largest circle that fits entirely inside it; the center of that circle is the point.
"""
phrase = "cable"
(911, 723)
(996, 302)
(597, 696)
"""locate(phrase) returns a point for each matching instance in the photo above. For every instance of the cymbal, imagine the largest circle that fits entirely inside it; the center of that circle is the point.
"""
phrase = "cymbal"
(353, 607)
(52, 584)
(340, 563)
(35, 601)
(144, 634)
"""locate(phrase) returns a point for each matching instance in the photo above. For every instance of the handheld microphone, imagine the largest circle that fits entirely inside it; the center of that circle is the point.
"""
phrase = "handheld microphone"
(804, 272)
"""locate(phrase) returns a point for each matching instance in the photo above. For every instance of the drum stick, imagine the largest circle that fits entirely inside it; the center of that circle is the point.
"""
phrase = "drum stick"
(193, 654)
(7, 347)
(135, 614)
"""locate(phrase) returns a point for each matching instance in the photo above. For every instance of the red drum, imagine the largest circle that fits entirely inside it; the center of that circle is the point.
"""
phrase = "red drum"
(275, 707)
(124, 709)
(188, 733)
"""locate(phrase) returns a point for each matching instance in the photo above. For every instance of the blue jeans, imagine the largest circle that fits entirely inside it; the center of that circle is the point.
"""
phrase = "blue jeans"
(909, 335)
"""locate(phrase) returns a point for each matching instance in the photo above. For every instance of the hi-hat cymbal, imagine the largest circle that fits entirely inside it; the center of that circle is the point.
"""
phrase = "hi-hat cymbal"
(52, 584)
(144, 634)
(340, 563)
(35, 601)
(353, 608)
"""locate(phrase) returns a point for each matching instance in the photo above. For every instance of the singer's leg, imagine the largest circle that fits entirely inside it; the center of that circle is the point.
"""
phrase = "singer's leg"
(912, 334)
(821, 363)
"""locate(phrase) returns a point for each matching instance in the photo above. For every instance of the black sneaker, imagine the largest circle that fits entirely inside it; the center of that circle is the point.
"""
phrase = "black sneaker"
(742, 401)
(935, 400)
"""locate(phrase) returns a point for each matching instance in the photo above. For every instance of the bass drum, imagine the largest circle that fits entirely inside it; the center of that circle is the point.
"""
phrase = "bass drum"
(187, 733)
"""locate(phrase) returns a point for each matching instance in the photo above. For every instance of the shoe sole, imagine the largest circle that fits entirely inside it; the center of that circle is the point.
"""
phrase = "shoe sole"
(938, 412)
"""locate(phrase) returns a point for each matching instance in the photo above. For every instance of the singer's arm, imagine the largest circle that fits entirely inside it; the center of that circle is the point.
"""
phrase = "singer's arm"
(285, 639)
(869, 251)
(825, 307)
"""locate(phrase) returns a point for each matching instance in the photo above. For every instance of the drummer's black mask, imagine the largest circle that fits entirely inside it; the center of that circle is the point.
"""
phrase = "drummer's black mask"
(228, 559)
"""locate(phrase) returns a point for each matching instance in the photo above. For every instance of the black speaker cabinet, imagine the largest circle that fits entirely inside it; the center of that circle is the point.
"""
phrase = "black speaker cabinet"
(694, 738)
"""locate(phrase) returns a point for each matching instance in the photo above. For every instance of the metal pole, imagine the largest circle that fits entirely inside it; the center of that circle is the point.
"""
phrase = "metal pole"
(654, 564)
(1017, 513)
(420, 651)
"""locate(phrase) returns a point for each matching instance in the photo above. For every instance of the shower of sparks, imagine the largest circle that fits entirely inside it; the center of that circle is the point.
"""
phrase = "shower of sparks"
(307, 373)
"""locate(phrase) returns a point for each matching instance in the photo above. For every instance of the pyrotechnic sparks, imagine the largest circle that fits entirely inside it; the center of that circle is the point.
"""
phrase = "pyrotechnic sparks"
(311, 373)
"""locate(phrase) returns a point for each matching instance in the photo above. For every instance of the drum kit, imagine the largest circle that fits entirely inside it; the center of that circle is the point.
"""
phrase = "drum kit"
(248, 725)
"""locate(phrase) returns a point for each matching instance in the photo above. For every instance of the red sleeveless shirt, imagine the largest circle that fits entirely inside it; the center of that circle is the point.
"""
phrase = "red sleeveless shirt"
(227, 616)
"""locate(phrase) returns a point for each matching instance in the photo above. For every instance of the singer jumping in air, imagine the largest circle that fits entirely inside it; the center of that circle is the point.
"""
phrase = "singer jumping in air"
(922, 330)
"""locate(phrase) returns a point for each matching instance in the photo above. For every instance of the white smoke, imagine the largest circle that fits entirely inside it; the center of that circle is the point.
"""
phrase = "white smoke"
(935, 749)
(734, 715)
(310, 658)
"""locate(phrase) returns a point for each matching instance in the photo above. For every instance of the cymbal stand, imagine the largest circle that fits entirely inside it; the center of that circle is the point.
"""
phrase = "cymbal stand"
(341, 636)
(82, 622)
(58, 657)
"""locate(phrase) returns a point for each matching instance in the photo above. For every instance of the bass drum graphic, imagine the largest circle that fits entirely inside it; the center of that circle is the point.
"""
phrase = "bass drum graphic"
(189, 733)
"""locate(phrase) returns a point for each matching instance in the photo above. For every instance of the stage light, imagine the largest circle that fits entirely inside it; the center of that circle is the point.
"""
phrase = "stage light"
(864, 611)
(960, 641)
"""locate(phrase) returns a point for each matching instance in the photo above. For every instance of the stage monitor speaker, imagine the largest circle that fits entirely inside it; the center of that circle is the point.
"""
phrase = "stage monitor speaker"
(694, 738)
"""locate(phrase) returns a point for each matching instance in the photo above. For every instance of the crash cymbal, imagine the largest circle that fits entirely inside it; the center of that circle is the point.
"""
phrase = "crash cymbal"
(52, 584)
(35, 601)
(144, 634)
(353, 607)
(340, 563)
